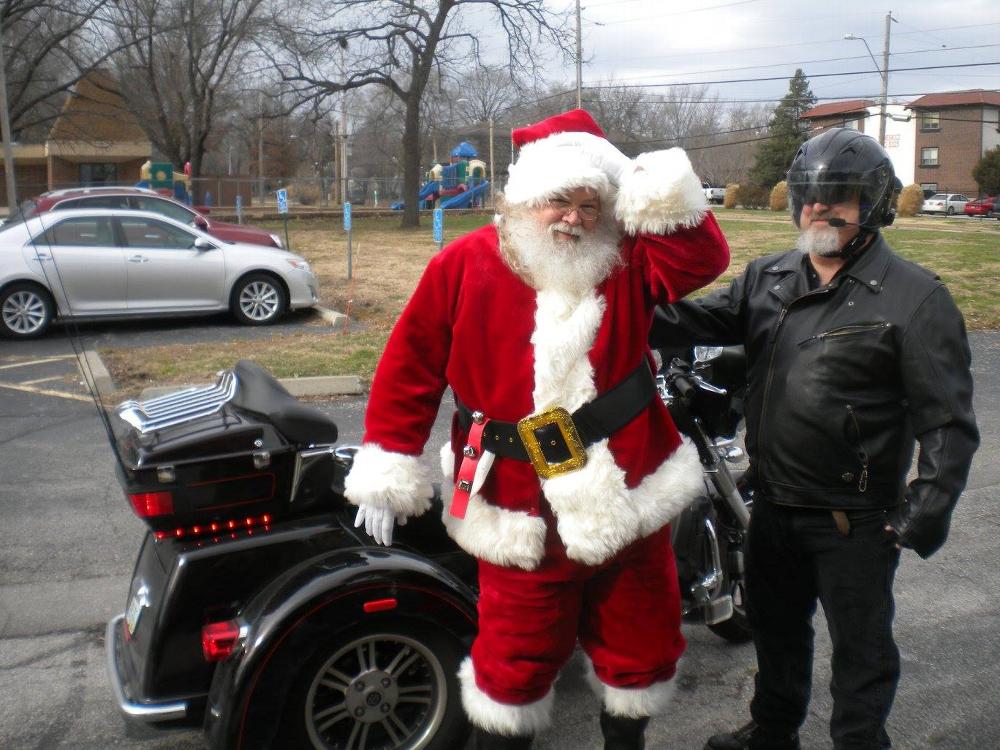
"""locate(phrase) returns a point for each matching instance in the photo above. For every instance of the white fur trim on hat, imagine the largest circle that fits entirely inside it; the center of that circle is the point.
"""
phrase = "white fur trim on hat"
(564, 161)
(384, 479)
(661, 194)
(632, 703)
(502, 718)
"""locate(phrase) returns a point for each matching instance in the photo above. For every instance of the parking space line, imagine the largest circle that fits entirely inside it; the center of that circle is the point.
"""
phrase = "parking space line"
(46, 392)
(42, 380)
(38, 361)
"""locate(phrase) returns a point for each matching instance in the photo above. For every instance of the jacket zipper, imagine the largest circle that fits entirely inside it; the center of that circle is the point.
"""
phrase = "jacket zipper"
(845, 331)
(862, 453)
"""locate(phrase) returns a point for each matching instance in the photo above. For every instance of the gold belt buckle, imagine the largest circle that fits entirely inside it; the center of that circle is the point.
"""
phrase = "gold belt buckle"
(564, 421)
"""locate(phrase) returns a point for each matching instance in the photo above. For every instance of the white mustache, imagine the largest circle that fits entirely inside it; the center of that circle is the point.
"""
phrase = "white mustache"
(562, 226)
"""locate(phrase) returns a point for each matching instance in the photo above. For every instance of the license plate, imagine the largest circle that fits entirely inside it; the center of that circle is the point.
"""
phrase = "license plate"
(139, 602)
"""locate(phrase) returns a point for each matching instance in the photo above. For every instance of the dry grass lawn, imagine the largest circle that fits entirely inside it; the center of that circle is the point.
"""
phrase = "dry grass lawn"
(387, 262)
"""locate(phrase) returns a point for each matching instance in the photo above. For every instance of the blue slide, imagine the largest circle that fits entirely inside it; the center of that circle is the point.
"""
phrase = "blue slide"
(425, 192)
(464, 199)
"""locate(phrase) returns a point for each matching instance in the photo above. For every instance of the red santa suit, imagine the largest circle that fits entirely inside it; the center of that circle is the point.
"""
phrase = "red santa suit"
(585, 554)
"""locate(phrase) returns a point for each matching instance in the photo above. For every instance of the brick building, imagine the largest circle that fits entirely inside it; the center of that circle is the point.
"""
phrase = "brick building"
(934, 141)
(94, 140)
(953, 132)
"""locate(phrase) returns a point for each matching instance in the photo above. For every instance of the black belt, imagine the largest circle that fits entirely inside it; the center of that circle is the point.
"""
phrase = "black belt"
(556, 438)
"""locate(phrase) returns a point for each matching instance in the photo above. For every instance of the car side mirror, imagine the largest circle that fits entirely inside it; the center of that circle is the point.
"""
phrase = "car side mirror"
(202, 244)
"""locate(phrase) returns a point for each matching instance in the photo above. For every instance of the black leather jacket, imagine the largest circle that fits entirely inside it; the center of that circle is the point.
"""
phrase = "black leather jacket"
(842, 378)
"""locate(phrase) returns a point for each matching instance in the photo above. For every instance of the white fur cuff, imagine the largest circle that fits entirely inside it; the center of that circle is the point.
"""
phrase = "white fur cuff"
(501, 718)
(388, 480)
(633, 703)
(661, 194)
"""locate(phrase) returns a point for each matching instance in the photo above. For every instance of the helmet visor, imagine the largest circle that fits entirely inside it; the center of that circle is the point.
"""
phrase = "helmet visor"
(808, 187)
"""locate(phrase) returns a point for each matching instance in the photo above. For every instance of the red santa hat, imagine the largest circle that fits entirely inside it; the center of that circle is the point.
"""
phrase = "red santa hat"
(560, 153)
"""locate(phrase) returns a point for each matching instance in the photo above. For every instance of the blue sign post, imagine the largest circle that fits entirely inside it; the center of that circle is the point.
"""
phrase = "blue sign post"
(347, 228)
(283, 210)
(439, 227)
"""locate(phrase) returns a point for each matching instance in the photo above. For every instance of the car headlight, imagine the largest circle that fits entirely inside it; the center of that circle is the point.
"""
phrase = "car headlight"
(300, 263)
(277, 240)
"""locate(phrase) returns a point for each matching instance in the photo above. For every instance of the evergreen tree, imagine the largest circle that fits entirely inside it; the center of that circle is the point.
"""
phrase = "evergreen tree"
(987, 172)
(786, 132)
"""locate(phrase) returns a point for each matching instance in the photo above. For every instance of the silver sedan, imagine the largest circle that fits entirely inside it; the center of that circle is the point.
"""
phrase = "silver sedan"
(100, 263)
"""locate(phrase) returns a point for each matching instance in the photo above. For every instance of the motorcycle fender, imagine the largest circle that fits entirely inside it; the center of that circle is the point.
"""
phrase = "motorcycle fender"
(326, 593)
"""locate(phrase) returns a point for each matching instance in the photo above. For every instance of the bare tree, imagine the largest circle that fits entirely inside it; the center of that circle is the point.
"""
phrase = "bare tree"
(326, 47)
(47, 48)
(180, 58)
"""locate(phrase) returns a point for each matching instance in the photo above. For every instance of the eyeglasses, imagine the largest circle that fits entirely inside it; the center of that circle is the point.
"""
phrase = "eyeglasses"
(587, 212)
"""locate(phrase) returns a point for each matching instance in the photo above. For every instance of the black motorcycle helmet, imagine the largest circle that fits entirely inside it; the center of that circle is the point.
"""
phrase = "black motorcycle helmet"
(840, 164)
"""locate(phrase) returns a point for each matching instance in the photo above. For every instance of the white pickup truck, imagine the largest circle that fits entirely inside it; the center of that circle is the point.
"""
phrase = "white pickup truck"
(713, 194)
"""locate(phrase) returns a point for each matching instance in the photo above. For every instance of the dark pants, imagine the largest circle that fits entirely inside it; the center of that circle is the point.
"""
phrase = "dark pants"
(795, 557)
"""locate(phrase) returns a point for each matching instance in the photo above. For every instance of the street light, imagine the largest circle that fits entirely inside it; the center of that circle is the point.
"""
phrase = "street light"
(883, 73)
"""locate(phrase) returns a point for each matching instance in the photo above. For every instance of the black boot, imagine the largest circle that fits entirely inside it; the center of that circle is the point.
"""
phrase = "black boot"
(753, 737)
(622, 733)
(488, 741)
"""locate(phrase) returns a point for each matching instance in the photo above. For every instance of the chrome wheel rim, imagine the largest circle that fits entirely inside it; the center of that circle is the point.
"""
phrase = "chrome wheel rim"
(259, 300)
(378, 691)
(24, 312)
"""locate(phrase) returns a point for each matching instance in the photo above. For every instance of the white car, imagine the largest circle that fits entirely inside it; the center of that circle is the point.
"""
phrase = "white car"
(944, 203)
(111, 263)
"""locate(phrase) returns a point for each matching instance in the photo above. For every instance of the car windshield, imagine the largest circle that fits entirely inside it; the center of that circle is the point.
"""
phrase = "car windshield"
(24, 212)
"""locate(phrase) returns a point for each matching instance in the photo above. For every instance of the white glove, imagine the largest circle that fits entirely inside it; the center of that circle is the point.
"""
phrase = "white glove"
(379, 522)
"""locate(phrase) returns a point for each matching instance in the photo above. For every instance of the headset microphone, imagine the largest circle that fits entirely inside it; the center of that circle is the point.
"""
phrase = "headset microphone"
(841, 223)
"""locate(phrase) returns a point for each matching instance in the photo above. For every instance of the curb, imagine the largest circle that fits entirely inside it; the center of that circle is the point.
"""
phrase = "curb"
(99, 379)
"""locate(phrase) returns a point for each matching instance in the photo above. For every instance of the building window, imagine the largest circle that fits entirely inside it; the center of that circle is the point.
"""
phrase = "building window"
(930, 121)
(928, 188)
(929, 156)
(98, 174)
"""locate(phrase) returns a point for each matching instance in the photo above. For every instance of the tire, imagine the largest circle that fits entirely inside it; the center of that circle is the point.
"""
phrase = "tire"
(737, 628)
(26, 311)
(391, 684)
(951, 210)
(258, 299)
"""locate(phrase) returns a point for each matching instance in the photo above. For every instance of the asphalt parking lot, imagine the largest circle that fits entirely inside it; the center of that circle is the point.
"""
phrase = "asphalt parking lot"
(68, 541)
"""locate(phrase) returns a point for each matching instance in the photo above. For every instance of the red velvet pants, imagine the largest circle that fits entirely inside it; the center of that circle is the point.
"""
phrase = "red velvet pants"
(625, 612)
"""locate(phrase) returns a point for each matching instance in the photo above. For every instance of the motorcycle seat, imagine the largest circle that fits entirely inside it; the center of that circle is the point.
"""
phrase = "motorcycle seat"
(260, 393)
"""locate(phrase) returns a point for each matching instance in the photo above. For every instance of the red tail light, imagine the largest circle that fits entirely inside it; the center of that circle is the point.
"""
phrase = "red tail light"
(218, 639)
(149, 504)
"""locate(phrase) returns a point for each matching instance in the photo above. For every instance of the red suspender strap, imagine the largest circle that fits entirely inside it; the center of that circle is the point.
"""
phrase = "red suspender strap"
(467, 471)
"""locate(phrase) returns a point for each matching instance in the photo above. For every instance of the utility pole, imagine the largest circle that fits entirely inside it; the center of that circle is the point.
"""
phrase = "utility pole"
(579, 59)
(8, 152)
(885, 79)
(493, 203)
(343, 120)
(260, 144)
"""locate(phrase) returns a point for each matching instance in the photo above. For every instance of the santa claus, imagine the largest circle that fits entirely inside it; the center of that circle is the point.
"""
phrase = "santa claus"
(566, 468)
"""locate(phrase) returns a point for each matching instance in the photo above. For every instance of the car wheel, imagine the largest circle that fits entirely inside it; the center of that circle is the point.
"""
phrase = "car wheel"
(392, 685)
(26, 310)
(258, 300)
(951, 210)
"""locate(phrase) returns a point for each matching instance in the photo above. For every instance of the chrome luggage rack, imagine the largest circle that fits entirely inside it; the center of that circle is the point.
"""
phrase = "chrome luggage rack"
(179, 407)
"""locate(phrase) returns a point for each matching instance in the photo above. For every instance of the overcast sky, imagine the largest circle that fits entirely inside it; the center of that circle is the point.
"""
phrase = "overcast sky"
(705, 41)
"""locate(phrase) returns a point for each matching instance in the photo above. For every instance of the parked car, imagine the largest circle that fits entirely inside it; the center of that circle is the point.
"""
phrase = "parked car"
(944, 203)
(106, 263)
(981, 206)
(713, 194)
(144, 199)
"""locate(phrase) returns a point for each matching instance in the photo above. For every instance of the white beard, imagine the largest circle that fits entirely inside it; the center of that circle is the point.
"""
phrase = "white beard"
(569, 266)
(822, 241)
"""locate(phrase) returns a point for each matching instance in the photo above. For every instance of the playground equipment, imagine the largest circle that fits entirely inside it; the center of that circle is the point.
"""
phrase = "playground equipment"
(161, 177)
(461, 183)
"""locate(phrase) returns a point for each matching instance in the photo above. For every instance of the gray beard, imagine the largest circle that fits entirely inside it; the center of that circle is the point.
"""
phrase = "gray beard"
(547, 263)
(821, 241)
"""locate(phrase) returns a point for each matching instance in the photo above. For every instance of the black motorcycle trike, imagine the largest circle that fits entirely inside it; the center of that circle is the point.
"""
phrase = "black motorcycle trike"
(257, 608)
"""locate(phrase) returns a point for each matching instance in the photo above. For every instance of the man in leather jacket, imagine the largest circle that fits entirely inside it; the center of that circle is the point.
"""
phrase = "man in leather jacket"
(853, 355)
